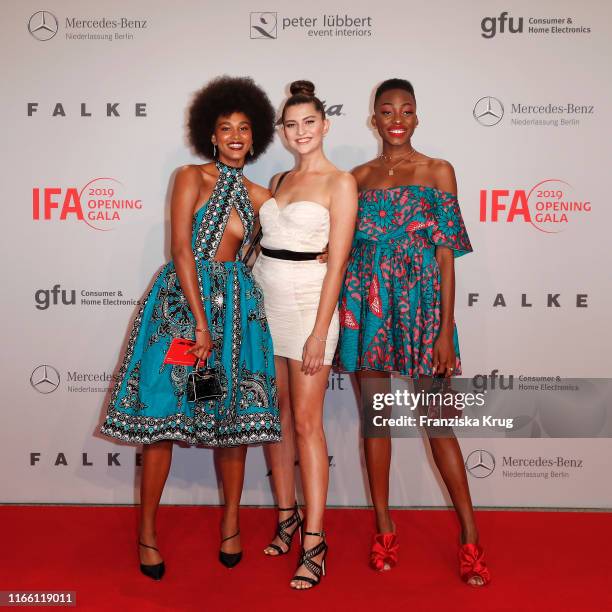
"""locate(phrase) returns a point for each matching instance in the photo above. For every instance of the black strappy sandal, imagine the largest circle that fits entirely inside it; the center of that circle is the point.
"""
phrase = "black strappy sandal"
(230, 559)
(156, 571)
(312, 566)
(285, 536)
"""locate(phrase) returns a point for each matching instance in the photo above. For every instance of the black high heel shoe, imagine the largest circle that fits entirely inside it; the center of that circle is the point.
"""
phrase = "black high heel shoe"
(156, 571)
(285, 536)
(316, 569)
(230, 559)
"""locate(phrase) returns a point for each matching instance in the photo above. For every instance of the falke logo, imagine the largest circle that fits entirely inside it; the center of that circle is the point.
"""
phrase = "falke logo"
(43, 25)
(107, 109)
(549, 206)
(548, 300)
(492, 26)
(65, 459)
(101, 204)
(264, 25)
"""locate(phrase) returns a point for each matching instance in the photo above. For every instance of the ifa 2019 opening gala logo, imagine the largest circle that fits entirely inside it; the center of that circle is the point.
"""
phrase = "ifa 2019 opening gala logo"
(101, 204)
(550, 206)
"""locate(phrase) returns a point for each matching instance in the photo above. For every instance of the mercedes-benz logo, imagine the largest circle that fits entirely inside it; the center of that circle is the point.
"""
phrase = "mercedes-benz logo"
(43, 25)
(488, 111)
(45, 379)
(480, 463)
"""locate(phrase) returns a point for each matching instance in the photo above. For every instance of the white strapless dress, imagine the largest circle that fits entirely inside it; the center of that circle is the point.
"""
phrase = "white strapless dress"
(292, 289)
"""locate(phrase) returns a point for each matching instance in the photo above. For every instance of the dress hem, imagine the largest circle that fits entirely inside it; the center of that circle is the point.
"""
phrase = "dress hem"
(346, 370)
(212, 441)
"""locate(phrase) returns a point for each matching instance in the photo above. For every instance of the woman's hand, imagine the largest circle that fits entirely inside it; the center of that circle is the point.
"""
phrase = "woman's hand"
(324, 256)
(203, 345)
(312, 355)
(444, 357)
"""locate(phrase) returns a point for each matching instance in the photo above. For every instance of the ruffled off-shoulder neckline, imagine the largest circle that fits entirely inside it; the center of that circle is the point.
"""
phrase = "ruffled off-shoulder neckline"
(411, 187)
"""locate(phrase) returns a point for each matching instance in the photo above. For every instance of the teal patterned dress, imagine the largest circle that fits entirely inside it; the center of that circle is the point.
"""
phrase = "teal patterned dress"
(390, 304)
(148, 402)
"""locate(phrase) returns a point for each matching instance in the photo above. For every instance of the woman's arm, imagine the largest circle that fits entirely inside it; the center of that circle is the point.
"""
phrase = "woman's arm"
(444, 350)
(258, 195)
(184, 199)
(343, 214)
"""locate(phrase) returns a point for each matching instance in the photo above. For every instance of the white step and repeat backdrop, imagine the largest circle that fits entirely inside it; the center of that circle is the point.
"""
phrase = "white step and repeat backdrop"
(515, 94)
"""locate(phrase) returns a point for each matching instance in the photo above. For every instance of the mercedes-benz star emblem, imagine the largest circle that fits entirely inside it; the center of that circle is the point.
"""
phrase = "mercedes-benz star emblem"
(45, 379)
(488, 111)
(480, 463)
(43, 25)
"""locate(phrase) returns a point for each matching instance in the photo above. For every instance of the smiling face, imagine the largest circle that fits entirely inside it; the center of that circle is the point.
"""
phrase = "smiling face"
(304, 128)
(233, 136)
(395, 116)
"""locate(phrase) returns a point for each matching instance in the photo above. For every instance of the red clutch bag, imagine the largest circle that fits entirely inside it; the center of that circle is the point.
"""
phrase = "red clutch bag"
(177, 353)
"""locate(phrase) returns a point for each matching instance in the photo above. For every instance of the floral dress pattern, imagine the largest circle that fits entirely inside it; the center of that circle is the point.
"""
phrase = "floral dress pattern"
(390, 301)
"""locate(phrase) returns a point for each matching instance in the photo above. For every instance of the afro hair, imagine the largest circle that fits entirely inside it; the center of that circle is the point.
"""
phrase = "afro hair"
(221, 97)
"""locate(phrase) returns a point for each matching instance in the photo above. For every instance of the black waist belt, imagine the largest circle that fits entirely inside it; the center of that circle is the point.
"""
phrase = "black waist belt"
(291, 255)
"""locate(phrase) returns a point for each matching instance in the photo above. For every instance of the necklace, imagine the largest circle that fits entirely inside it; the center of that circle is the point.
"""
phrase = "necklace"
(386, 158)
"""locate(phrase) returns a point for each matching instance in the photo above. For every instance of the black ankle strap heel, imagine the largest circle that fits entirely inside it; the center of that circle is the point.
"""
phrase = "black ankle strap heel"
(306, 559)
(282, 532)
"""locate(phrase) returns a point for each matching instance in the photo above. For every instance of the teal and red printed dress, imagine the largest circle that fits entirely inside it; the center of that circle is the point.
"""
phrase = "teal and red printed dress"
(390, 303)
(149, 401)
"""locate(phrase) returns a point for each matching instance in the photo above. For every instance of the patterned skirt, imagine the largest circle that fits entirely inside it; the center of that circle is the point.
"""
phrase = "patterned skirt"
(390, 310)
(149, 403)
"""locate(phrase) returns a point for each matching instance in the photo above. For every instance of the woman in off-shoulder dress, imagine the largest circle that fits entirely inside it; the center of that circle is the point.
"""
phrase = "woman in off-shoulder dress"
(397, 303)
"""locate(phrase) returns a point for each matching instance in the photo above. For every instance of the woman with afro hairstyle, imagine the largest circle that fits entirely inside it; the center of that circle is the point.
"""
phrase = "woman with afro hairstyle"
(205, 294)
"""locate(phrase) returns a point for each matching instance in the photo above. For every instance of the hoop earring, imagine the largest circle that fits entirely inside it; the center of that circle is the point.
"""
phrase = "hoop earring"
(214, 150)
(252, 150)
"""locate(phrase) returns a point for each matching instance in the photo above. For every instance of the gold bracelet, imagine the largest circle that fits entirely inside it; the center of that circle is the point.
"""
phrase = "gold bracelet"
(203, 331)
(317, 338)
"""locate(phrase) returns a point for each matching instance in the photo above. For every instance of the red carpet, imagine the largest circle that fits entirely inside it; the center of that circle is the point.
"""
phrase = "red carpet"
(538, 560)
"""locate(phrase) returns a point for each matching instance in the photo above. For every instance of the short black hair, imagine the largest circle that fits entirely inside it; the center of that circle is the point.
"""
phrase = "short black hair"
(221, 97)
(394, 84)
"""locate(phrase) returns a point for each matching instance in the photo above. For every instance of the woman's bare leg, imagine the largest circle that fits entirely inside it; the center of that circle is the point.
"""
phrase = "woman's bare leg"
(307, 398)
(156, 460)
(377, 453)
(230, 462)
(281, 456)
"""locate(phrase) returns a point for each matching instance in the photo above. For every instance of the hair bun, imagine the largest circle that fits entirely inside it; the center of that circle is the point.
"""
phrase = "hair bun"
(306, 88)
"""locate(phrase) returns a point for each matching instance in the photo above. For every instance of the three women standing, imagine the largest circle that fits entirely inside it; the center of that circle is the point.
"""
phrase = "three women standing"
(396, 312)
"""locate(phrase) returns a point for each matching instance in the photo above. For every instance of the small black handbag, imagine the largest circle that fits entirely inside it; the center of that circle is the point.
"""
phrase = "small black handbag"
(203, 384)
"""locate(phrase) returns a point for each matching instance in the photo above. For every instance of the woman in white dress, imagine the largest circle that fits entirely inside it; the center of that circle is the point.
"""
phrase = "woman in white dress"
(314, 205)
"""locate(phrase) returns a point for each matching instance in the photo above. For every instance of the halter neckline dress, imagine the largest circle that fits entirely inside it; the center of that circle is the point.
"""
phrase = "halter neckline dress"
(148, 402)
